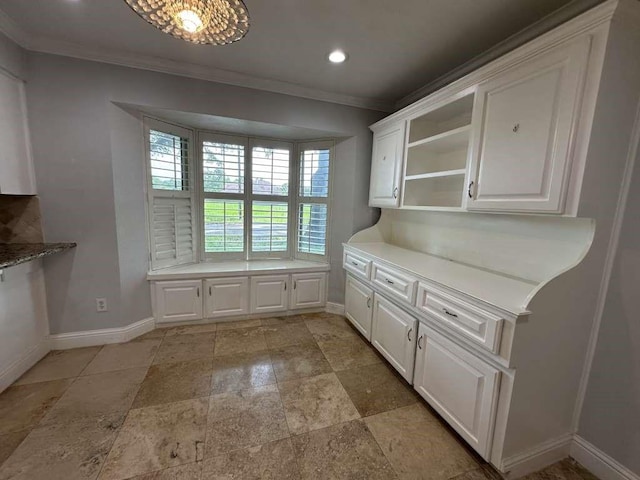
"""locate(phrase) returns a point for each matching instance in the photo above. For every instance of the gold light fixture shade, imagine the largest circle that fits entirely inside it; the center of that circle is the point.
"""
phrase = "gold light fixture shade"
(207, 22)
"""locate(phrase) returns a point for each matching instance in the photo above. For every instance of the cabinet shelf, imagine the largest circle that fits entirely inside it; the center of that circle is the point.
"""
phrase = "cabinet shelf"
(444, 173)
(454, 139)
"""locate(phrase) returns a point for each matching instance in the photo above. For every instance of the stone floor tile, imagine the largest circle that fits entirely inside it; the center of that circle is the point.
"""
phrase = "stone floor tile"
(156, 438)
(285, 320)
(191, 329)
(236, 324)
(184, 347)
(155, 333)
(244, 419)
(376, 388)
(173, 382)
(347, 450)
(69, 451)
(271, 461)
(297, 361)
(97, 396)
(9, 442)
(480, 473)
(418, 445)
(345, 353)
(190, 471)
(279, 336)
(59, 364)
(241, 371)
(329, 328)
(23, 406)
(121, 356)
(566, 469)
(316, 402)
(241, 340)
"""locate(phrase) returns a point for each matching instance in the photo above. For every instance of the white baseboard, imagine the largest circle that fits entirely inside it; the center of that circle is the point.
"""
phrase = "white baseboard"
(90, 338)
(598, 462)
(336, 308)
(537, 458)
(24, 363)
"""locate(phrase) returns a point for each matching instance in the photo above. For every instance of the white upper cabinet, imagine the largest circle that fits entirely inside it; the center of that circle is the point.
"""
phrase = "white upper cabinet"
(386, 167)
(524, 121)
(16, 165)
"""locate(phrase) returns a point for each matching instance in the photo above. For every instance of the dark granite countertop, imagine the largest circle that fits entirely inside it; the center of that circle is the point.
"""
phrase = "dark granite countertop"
(12, 254)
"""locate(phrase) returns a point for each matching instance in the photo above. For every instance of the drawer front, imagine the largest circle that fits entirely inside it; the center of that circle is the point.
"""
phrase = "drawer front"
(357, 265)
(396, 283)
(480, 326)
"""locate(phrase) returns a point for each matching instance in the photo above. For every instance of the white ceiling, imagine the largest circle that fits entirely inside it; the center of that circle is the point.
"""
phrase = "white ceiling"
(394, 46)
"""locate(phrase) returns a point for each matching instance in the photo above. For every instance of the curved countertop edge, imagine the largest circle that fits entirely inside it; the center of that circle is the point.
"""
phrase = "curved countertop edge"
(12, 254)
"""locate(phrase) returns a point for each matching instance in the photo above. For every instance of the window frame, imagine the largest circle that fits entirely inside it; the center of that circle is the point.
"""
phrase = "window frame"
(300, 199)
(148, 124)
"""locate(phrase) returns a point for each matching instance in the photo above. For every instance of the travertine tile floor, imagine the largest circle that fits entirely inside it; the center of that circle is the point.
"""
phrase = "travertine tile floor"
(281, 398)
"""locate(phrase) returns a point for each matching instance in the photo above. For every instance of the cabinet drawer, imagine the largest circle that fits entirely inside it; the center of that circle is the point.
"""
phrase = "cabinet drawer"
(398, 284)
(480, 326)
(357, 265)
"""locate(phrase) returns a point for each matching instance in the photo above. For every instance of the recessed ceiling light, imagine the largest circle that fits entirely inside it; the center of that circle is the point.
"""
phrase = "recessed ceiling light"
(337, 56)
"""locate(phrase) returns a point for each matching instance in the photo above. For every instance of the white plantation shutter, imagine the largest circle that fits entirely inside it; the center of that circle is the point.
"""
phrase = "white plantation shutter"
(171, 213)
(313, 199)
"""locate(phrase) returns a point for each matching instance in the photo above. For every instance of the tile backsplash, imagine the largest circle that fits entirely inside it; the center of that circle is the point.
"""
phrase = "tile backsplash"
(20, 220)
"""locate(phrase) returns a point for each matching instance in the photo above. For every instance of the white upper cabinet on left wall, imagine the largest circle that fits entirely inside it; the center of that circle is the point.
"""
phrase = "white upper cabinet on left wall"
(386, 167)
(16, 164)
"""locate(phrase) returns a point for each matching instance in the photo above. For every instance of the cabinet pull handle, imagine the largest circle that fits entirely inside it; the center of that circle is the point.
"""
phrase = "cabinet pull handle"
(368, 302)
(516, 127)
(198, 292)
(354, 263)
(420, 342)
(449, 313)
(209, 290)
(295, 284)
(469, 190)
(285, 286)
(390, 282)
(395, 192)
(409, 334)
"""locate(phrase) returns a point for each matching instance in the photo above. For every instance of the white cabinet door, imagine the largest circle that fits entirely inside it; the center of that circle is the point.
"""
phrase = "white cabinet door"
(227, 296)
(460, 386)
(178, 300)
(308, 290)
(523, 124)
(269, 293)
(16, 165)
(358, 303)
(394, 335)
(386, 167)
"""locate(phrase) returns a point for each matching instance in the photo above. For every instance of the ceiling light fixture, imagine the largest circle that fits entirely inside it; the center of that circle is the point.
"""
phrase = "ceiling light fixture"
(337, 56)
(208, 22)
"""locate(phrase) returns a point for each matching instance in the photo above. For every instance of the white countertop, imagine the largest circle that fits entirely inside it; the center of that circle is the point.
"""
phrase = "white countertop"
(508, 293)
(230, 269)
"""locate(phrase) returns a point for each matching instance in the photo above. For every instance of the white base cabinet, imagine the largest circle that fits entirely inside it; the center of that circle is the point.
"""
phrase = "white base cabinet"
(459, 386)
(358, 303)
(394, 335)
(308, 290)
(226, 297)
(178, 301)
(269, 293)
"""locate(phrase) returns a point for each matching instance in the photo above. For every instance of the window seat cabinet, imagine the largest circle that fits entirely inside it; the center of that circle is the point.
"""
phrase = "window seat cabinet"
(195, 292)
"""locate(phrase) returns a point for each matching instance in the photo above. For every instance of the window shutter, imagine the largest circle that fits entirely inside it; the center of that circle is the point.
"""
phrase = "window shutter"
(171, 213)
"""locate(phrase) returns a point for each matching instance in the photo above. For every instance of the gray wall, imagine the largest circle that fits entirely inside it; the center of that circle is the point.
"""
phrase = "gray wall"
(610, 417)
(89, 166)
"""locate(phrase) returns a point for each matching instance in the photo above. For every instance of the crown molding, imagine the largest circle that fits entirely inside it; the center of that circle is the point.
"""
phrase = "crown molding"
(185, 69)
(560, 16)
(12, 30)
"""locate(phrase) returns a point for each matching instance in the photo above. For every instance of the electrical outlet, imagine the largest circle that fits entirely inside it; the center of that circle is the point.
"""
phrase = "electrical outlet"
(101, 305)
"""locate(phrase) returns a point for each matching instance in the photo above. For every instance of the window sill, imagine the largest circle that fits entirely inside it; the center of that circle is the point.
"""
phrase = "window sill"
(236, 268)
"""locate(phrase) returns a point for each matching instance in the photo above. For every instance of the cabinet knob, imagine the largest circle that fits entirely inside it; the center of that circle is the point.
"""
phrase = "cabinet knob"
(368, 302)
(516, 128)
(395, 192)
(409, 334)
(420, 342)
(469, 190)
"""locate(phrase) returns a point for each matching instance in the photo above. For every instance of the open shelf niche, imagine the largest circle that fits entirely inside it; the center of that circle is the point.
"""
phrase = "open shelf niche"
(436, 156)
